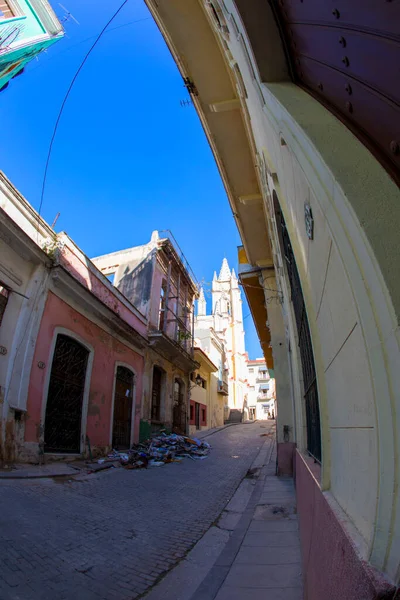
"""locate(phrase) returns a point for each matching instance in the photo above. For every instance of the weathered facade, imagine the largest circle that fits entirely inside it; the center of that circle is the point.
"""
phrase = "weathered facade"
(70, 344)
(26, 29)
(302, 114)
(156, 279)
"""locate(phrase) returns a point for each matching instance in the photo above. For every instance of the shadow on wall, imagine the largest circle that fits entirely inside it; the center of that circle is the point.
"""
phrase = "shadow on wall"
(134, 281)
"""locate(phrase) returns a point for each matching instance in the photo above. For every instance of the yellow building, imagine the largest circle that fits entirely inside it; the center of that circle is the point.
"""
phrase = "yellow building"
(206, 404)
(305, 129)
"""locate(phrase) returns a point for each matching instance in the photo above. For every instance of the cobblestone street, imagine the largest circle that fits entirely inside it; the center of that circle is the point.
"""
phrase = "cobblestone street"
(114, 534)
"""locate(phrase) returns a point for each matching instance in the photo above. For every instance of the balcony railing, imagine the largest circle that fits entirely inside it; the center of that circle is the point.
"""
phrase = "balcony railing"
(262, 377)
(223, 387)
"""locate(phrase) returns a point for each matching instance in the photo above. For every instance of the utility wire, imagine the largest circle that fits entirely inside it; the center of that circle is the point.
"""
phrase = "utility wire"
(55, 55)
(67, 95)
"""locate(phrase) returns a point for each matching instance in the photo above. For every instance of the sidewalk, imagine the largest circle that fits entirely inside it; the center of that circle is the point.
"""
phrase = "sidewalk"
(261, 560)
(252, 552)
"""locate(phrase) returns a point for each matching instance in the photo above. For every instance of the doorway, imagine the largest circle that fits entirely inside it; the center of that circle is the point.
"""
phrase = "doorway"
(156, 394)
(63, 419)
(179, 411)
(197, 415)
(123, 403)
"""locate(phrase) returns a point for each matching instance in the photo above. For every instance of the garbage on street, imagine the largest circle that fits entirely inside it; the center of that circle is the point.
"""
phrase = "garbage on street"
(160, 450)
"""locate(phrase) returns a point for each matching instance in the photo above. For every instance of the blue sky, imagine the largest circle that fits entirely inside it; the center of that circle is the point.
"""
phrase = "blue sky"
(127, 158)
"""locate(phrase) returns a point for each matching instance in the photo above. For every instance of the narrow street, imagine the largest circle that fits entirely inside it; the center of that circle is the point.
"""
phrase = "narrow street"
(113, 535)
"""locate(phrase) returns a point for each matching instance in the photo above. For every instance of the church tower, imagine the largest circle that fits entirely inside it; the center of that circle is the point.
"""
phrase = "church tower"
(227, 315)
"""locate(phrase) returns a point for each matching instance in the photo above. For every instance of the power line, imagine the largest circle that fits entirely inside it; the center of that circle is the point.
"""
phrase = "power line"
(55, 55)
(67, 95)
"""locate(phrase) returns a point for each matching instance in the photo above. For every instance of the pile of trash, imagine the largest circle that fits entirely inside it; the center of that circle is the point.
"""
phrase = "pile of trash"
(160, 450)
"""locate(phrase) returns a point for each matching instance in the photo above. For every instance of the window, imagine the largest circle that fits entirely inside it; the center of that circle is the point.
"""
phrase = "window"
(5, 10)
(251, 370)
(202, 382)
(311, 398)
(161, 317)
(204, 416)
(4, 294)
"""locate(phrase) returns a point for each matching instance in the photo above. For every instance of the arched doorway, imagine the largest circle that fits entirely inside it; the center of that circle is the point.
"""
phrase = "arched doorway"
(179, 410)
(123, 403)
(62, 428)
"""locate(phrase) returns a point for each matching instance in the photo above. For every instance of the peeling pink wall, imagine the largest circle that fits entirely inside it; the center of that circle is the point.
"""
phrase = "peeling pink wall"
(107, 351)
(332, 568)
(81, 271)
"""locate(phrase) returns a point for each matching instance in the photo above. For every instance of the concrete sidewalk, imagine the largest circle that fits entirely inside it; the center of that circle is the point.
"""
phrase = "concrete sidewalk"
(261, 560)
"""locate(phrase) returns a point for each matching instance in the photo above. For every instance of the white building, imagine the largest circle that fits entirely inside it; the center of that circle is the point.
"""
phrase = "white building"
(261, 390)
(226, 321)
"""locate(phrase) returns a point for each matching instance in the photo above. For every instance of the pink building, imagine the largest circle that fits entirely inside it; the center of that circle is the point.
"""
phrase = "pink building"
(86, 379)
(86, 365)
(72, 347)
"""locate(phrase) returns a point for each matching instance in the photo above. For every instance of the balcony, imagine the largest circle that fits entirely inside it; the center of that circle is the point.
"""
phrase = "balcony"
(263, 397)
(179, 351)
(261, 376)
(223, 387)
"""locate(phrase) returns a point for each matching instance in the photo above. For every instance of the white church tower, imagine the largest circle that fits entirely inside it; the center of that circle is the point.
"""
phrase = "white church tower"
(227, 321)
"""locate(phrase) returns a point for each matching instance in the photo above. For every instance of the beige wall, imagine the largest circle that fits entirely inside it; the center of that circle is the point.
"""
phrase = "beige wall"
(349, 271)
(350, 329)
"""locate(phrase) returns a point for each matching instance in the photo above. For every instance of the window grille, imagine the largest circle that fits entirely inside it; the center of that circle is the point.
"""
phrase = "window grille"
(305, 346)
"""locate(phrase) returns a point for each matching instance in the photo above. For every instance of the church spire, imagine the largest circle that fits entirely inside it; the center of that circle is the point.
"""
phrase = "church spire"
(201, 304)
(225, 272)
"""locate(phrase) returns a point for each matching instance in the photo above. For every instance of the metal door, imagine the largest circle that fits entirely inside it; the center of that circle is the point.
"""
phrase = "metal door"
(346, 54)
(62, 431)
(197, 415)
(123, 402)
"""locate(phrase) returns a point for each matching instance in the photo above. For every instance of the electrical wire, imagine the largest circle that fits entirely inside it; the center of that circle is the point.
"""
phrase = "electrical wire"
(55, 55)
(66, 98)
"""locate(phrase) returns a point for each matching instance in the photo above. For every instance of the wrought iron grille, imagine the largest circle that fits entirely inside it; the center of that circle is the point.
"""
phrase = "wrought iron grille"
(305, 346)
(62, 430)
(123, 399)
